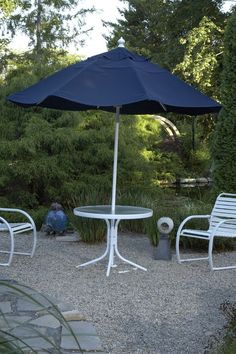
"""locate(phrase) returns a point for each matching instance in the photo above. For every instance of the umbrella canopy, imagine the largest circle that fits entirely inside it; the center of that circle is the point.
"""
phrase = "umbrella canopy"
(119, 81)
(116, 78)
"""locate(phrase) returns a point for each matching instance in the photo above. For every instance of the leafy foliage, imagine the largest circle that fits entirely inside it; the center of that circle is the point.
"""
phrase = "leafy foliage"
(201, 62)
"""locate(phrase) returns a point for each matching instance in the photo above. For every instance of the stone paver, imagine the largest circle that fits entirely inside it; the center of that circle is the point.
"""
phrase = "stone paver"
(85, 333)
(28, 306)
(5, 307)
(38, 324)
(38, 343)
(47, 320)
(80, 327)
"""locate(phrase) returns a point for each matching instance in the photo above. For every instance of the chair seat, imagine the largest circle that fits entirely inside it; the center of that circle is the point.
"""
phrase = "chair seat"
(206, 234)
(196, 233)
(16, 227)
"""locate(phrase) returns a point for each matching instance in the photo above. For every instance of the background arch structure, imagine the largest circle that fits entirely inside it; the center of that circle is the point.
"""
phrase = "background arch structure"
(169, 127)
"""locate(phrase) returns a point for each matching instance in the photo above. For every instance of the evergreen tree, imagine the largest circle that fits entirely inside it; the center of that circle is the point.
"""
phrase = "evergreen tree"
(154, 28)
(224, 142)
(47, 23)
(28, 138)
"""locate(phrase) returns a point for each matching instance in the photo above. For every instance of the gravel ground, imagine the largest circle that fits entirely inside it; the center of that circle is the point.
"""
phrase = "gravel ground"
(170, 309)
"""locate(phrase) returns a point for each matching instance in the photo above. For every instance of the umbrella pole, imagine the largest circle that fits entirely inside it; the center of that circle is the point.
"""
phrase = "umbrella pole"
(116, 140)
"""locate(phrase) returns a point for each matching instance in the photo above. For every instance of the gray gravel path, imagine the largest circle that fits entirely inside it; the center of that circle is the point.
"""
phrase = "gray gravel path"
(170, 309)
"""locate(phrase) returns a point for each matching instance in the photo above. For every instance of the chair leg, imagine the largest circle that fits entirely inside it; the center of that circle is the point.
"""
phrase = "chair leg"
(33, 234)
(210, 250)
(177, 247)
(11, 252)
(34, 241)
(179, 260)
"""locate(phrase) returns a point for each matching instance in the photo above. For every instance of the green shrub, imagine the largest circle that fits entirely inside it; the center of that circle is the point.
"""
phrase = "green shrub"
(38, 216)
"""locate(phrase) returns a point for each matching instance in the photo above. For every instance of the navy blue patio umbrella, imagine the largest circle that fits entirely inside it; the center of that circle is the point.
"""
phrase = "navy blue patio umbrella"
(116, 81)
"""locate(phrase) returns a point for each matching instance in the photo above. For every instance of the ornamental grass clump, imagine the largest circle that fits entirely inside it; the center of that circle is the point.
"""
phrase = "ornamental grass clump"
(18, 333)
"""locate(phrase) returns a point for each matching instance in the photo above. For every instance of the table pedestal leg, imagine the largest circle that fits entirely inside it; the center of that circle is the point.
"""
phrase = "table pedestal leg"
(114, 248)
(104, 254)
(113, 241)
(111, 248)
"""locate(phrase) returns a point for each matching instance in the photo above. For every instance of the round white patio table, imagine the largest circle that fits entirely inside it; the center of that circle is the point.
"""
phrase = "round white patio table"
(112, 219)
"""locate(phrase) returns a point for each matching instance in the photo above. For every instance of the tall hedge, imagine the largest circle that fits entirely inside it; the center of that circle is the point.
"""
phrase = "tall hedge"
(224, 141)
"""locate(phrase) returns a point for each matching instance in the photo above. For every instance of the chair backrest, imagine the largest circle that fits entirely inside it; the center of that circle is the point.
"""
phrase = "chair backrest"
(224, 209)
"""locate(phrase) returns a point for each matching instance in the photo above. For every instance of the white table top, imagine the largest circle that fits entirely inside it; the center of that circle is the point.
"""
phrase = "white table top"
(105, 212)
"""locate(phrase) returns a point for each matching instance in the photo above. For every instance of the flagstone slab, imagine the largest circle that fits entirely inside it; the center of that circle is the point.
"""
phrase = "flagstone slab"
(5, 307)
(80, 327)
(24, 305)
(46, 321)
(86, 342)
(38, 343)
(12, 321)
(85, 333)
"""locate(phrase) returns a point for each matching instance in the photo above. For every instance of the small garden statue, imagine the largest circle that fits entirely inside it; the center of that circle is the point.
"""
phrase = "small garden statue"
(165, 226)
(56, 220)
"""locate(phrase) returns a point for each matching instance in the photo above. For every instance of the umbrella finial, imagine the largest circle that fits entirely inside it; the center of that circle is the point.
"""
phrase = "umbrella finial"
(121, 42)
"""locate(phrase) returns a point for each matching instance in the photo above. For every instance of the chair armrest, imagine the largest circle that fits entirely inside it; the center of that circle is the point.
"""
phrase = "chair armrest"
(13, 210)
(190, 218)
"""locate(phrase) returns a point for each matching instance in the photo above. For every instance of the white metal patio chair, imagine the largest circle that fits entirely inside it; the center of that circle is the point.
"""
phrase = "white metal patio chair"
(222, 223)
(11, 230)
